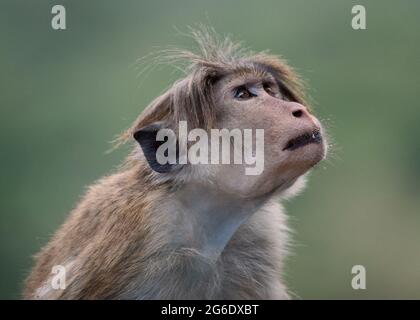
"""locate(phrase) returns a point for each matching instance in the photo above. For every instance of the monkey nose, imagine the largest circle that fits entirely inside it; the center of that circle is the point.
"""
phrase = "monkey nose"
(300, 112)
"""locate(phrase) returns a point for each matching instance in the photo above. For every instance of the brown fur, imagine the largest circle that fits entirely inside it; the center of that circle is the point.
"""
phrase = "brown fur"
(116, 230)
(118, 243)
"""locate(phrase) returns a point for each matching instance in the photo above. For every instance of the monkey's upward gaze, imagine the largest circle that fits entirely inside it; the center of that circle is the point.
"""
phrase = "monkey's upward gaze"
(193, 231)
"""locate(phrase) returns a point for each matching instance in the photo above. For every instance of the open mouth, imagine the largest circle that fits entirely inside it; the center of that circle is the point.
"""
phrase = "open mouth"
(303, 140)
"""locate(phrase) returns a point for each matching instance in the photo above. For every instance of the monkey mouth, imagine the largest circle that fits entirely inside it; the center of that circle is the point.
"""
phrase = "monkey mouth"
(303, 140)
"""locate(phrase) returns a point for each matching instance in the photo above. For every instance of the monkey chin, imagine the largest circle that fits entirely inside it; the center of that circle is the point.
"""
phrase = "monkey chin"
(278, 175)
(296, 163)
(307, 155)
(312, 153)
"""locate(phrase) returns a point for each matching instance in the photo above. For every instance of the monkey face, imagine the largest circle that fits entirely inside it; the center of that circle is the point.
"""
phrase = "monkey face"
(249, 97)
(293, 138)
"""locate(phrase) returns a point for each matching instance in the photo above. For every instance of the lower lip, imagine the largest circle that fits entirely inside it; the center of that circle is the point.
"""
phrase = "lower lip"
(315, 139)
(301, 146)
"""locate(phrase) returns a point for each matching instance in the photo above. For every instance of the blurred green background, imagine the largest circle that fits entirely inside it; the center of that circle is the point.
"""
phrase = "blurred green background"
(66, 94)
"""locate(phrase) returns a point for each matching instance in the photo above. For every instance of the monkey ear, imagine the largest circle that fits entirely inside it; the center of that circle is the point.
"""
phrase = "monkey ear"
(146, 137)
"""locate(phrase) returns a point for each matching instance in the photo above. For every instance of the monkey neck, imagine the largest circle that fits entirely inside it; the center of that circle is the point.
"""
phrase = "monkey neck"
(207, 218)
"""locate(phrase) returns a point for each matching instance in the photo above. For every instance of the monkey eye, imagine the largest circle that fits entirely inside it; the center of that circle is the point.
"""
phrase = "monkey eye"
(272, 90)
(242, 93)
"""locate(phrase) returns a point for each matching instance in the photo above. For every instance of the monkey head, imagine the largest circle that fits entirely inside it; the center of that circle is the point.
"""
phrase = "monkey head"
(226, 89)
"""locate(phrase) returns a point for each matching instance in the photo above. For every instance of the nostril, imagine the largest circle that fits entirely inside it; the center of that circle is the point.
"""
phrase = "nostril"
(297, 113)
